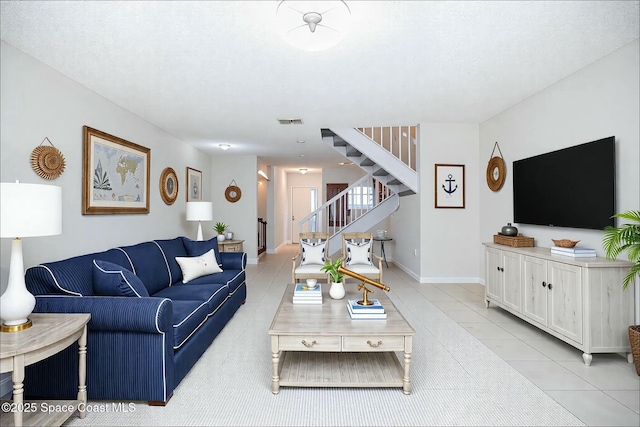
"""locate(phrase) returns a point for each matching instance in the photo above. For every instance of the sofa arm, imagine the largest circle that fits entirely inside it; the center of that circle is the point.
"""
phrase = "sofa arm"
(126, 314)
(233, 260)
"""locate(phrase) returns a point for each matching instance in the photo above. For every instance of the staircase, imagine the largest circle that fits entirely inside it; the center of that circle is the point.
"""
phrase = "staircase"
(388, 155)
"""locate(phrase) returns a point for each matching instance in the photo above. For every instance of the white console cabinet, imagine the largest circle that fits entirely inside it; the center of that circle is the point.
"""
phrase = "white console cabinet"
(578, 300)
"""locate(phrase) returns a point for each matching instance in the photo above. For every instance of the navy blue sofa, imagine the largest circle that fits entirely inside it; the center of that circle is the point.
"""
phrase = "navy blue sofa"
(139, 347)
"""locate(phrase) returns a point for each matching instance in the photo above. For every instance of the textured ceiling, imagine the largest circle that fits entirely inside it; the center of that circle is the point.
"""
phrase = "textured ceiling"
(217, 72)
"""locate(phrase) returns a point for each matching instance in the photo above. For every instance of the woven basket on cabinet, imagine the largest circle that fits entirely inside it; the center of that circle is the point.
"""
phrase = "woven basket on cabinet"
(634, 340)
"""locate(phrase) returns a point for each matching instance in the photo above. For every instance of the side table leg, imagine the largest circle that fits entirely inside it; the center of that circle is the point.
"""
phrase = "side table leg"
(82, 371)
(384, 255)
(18, 388)
(275, 385)
(406, 382)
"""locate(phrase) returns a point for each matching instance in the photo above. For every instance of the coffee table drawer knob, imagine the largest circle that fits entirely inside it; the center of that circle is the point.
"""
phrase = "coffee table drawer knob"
(374, 345)
(311, 344)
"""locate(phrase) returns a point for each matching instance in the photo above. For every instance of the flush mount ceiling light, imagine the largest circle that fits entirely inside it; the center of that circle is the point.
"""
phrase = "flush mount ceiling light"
(302, 171)
(225, 147)
(313, 25)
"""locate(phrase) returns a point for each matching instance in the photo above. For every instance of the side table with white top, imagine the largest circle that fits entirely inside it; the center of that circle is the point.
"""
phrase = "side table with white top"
(50, 334)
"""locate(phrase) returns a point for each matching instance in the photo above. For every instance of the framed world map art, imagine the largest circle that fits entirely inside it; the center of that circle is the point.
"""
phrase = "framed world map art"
(115, 175)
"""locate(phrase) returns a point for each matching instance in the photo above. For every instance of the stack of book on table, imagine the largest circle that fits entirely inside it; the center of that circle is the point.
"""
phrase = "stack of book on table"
(371, 312)
(574, 252)
(304, 295)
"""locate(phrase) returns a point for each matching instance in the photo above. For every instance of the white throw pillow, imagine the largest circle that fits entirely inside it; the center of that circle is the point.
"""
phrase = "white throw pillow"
(312, 253)
(359, 254)
(198, 266)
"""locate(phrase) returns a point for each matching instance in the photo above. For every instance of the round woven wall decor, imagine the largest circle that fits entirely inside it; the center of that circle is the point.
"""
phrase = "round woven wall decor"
(47, 162)
(233, 193)
(496, 173)
(168, 186)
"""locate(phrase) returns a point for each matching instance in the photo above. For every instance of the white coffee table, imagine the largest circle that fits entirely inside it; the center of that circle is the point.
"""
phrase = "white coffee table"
(320, 346)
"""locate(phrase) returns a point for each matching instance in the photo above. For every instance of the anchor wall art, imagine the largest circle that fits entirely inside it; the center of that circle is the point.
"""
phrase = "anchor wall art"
(449, 186)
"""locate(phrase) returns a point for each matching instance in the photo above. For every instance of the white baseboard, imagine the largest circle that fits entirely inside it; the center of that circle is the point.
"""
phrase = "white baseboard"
(428, 279)
(6, 385)
(252, 260)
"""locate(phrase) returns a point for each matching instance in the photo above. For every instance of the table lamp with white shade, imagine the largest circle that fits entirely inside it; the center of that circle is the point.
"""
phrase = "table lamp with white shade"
(26, 210)
(199, 211)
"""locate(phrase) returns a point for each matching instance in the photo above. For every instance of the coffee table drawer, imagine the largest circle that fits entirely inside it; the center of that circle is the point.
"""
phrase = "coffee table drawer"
(373, 343)
(309, 343)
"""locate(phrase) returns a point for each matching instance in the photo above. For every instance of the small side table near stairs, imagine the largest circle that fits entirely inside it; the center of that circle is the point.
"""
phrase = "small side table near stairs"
(382, 253)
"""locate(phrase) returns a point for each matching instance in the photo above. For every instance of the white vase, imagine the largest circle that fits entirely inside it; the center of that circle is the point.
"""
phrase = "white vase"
(229, 235)
(336, 291)
(220, 238)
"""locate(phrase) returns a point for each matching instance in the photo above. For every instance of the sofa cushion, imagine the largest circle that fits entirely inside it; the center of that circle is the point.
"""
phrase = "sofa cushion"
(171, 248)
(198, 266)
(113, 280)
(188, 317)
(232, 278)
(149, 264)
(72, 276)
(212, 295)
(199, 247)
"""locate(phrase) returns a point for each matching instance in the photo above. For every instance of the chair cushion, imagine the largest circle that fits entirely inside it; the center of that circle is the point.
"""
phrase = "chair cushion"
(113, 280)
(312, 253)
(309, 269)
(199, 247)
(369, 270)
(194, 267)
(359, 253)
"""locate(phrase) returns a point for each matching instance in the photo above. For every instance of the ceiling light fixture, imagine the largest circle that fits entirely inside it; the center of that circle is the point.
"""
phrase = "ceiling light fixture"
(301, 141)
(225, 147)
(302, 171)
(313, 25)
(263, 174)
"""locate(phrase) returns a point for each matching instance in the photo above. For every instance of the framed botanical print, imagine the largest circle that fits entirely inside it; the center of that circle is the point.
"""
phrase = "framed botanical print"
(115, 175)
(449, 186)
(194, 185)
(169, 186)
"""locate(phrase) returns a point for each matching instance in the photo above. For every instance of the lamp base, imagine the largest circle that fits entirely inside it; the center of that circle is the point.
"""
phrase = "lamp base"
(16, 328)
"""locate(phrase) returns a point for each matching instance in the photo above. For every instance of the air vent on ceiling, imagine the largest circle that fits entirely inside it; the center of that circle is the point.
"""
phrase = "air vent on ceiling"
(290, 121)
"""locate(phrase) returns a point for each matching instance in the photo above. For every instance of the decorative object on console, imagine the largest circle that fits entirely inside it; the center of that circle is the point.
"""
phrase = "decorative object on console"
(194, 185)
(47, 162)
(220, 228)
(573, 252)
(115, 175)
(233, 192)
(615, 241)
(449, 186)
(381, 234)
(26, 210)
(509, 230)
(518, 241)
(565, 243)
(199, 211)
(496, 171)
(168, 186)
(336, 291)
(361, 287)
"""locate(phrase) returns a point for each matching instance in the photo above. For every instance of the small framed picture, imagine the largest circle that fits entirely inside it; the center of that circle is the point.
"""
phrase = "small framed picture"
(449, 186)
(194, 185)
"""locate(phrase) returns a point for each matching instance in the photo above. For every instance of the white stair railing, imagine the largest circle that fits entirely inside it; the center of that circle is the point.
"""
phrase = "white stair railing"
(398, 140)
(347, 206)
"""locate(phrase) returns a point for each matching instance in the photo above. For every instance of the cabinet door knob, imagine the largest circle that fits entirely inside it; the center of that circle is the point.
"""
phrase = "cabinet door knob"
(498, 268)
(550, 286)
(502, 269)
(544, 284)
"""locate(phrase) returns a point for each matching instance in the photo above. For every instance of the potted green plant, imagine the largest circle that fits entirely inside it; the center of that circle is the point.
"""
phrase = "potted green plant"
(626, 238)
(336, 291)
(220, 228)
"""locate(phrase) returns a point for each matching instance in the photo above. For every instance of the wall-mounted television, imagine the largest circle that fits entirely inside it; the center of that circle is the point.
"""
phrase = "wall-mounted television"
(572, 187)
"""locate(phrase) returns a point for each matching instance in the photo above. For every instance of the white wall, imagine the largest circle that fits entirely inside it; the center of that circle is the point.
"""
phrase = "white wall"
(241, 216)
(449, 237)
(598, 101)
(405, 225)
(280, 208)
(37, 102)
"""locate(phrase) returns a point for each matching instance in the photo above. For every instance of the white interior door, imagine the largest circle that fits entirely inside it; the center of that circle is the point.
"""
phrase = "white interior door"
(303, 202)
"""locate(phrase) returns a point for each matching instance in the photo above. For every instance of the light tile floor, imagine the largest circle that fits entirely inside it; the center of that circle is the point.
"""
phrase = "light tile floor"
(605, 393)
